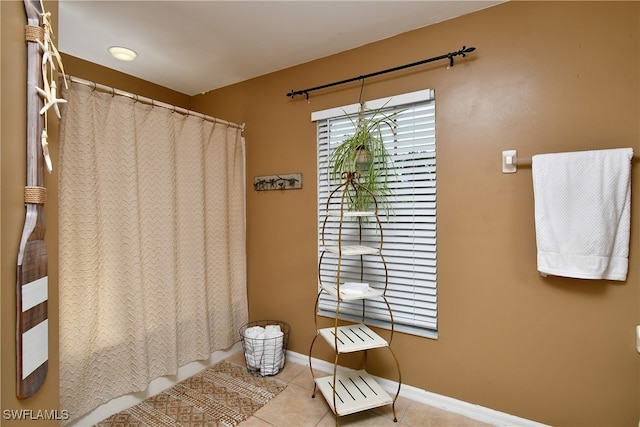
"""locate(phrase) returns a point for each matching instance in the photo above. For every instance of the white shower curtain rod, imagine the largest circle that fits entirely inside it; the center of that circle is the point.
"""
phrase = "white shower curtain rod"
(137, 98)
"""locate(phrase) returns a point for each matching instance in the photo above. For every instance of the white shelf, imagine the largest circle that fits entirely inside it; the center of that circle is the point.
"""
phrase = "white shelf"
(354, 392)
(368, 294)
(351, 213)
(352, 250)
(353, 338)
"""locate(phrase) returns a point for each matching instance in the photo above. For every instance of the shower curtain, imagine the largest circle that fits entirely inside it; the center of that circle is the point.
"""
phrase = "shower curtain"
(151, 244)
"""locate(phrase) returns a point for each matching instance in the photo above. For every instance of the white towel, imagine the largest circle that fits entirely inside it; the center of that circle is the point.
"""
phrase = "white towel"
(254, 346)
(583, 213)
(273, 356)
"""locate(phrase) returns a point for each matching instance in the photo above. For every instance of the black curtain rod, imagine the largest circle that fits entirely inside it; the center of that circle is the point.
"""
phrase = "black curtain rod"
(449, 56)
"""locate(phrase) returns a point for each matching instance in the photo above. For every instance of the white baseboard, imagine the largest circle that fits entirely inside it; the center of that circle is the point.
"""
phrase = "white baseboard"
(449, 404)
(156, 386)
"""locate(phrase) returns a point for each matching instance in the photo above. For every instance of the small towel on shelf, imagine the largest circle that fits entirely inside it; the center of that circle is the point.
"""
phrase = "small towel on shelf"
(583, 213)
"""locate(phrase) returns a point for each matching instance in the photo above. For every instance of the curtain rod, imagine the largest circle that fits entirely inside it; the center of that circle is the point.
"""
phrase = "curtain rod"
(449, 56)
(152, 102)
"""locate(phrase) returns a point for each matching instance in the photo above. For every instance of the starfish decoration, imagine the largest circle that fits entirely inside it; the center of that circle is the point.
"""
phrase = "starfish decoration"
(51, 99)
(48, 92)
(50, 52)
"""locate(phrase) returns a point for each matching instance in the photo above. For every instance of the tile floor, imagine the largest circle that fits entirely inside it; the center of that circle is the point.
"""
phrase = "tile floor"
(294, 407)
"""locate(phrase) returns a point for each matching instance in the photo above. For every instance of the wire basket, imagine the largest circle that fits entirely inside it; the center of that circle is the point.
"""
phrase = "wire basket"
(264, 343)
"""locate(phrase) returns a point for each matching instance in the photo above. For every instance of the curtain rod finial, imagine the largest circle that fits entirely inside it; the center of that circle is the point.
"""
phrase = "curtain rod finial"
(466, 50)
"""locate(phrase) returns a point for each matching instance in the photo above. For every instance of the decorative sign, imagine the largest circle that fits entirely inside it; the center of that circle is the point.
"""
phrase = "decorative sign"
(290, 181)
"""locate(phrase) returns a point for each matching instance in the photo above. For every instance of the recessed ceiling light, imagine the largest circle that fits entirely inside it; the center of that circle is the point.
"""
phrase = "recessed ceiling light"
(122, 53)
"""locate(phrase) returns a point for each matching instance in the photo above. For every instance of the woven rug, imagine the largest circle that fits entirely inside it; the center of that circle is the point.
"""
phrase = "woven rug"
(222, 395)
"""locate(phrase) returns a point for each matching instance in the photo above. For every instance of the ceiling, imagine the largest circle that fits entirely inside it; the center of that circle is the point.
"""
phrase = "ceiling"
(196, 46)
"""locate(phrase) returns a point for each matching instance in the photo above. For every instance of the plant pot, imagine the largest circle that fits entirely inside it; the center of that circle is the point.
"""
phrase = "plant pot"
(363, 158)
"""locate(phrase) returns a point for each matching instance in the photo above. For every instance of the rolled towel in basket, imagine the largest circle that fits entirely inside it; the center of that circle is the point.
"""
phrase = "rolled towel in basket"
(254, 346)
(273, 354)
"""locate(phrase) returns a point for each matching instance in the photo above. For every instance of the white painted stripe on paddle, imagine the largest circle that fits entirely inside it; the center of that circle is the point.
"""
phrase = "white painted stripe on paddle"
(34, 293)
(35, 348)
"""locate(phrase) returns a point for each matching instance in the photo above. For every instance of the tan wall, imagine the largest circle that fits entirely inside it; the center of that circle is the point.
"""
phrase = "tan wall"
(546, 77)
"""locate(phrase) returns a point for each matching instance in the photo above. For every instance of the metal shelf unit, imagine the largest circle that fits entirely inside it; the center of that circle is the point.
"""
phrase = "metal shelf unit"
(348, 391)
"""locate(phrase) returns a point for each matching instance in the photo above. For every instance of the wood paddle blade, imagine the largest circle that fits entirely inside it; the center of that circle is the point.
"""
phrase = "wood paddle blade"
(32, 327)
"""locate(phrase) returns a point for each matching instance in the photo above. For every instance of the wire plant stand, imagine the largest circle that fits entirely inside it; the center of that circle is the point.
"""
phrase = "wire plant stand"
(351, 391)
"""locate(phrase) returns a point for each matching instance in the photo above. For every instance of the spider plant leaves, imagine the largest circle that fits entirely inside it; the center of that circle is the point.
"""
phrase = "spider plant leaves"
(374, 173)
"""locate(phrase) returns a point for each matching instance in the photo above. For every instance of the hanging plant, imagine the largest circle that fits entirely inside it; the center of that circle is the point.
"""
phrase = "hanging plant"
(364, 158)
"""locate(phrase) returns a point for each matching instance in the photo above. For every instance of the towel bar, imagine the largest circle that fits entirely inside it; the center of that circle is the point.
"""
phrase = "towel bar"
(510, 161)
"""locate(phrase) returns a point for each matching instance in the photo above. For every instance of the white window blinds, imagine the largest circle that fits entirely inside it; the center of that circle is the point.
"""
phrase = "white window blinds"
(409, 231)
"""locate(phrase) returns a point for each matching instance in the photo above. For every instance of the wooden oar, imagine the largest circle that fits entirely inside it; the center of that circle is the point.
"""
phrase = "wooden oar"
(32, 328)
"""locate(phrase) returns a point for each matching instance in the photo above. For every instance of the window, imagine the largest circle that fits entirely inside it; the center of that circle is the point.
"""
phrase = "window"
(409, 231)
